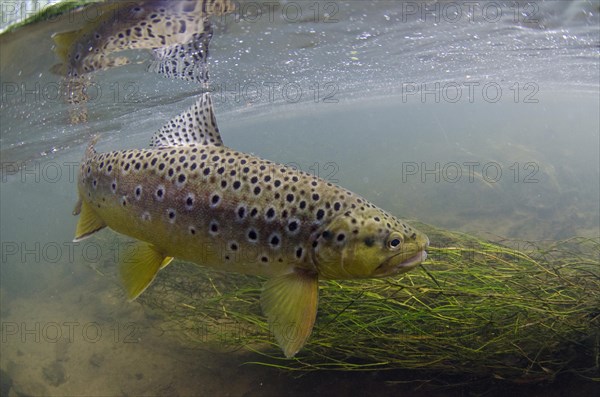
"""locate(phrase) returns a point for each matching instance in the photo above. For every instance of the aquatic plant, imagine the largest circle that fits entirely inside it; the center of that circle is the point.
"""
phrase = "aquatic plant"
(521, 312)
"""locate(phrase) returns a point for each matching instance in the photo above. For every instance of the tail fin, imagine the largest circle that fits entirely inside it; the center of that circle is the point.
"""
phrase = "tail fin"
(64, 43)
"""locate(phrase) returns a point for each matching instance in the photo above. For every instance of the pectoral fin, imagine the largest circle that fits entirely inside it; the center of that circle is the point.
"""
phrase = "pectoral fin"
(290, 304)
(88, 224)
(139, 267)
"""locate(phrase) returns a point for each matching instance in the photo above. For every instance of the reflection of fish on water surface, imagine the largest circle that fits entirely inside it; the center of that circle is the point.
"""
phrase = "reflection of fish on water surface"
(166, 27)
(177, 32)
(192, 198)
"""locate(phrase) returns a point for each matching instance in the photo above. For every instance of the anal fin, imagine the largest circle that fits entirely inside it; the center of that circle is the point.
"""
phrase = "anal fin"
(89, 222)
(139, 267)
(290, 304)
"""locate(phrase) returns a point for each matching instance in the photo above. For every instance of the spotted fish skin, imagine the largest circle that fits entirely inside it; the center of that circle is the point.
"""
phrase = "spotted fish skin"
(161, 25)
(192, 198)
(219, 207)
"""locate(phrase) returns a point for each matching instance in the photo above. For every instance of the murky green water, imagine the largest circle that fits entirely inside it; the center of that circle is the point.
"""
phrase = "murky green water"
(482, 119)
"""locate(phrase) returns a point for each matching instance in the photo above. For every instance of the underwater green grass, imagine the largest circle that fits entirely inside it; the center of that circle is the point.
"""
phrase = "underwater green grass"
(45, 12)
(475, 308)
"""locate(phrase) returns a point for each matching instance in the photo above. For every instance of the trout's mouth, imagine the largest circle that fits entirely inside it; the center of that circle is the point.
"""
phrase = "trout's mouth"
(388, 267)
(412, 261)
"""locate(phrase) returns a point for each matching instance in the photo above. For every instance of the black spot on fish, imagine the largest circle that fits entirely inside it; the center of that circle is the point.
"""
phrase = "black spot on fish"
(270, 213)
(293, 226)
(189, 201)
(252, 235)
(320, 214)
(241, 212)
(369, 241)
(274, 240)
(214, 228)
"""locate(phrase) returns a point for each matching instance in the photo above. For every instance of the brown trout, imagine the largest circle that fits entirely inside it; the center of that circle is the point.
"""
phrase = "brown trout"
(190, 197)
(177, 32)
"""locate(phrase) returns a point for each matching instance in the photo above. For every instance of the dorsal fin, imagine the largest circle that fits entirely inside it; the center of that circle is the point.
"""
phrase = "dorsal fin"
(197, 125)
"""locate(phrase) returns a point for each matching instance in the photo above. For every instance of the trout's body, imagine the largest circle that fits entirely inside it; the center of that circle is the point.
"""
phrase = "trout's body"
(193, 198)
(216, 206)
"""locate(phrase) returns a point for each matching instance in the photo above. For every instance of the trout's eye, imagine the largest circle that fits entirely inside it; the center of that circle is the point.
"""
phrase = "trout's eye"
(394, 242)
